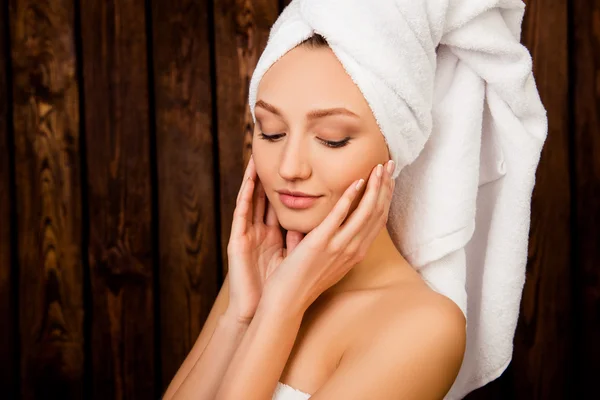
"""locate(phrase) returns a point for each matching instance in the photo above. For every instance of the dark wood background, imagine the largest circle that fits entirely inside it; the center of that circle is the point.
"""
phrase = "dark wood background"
(124, 130)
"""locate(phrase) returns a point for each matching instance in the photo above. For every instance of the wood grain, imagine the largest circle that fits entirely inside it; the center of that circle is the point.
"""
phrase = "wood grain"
(113, 35)
(542, 347)
(48, 193)
(8, 336)
(189, 262)
(586, 172)
(241, 32)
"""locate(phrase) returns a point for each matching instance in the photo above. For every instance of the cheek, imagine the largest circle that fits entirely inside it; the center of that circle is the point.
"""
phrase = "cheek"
(264, 160)
(339, 174)
(342, 171)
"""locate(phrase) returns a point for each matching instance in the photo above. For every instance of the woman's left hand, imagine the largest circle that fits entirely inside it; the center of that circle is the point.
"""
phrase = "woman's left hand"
(322, 258)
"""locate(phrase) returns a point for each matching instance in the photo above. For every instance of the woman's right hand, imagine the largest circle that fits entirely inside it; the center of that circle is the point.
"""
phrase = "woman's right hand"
(255, 246)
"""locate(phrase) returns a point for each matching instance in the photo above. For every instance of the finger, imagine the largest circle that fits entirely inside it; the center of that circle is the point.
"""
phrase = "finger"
(242, 210)
(362, 245)
(374, 225)
(366, 210)
(292, 239)
(271, 219)
(250, 200)
(249, 172)
(327, 228)
(259, 203)
(244, 180)
(385, 193)
(242, 187)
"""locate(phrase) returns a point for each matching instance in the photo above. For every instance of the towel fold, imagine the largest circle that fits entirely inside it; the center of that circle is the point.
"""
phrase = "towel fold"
(452, 90)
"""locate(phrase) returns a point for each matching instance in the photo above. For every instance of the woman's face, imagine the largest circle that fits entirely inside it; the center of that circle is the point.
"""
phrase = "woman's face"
(319, 154)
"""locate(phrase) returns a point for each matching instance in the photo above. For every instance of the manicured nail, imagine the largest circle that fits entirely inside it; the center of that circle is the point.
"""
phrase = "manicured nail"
(390, 167)
(359, 184)
(379, 170)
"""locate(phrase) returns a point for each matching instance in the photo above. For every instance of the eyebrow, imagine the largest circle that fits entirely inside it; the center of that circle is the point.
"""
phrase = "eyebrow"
(311, 115)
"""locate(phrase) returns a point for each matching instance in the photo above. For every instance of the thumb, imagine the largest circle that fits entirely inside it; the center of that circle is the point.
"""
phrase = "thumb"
(292, 239)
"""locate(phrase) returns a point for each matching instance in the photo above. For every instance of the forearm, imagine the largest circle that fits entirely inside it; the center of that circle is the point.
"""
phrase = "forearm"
(186, 366)
(260, 359)
(204, 379)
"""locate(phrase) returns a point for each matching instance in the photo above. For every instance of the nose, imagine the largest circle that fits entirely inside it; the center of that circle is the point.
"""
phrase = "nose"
(294, 164)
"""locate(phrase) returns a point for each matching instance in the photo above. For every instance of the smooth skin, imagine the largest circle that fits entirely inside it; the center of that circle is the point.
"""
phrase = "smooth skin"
(339, 313)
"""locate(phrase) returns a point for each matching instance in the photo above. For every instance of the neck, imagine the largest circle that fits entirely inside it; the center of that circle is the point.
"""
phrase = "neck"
(382, 266)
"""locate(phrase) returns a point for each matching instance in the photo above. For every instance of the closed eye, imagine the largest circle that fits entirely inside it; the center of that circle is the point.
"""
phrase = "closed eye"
(271, 138)
(333, 144)
(328, 143)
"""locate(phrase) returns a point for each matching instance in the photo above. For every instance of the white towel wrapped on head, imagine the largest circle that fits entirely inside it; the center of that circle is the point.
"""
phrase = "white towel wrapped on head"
(452, 90)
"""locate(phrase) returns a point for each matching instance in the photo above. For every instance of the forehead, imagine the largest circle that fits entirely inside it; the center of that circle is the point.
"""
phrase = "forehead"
(304, 79)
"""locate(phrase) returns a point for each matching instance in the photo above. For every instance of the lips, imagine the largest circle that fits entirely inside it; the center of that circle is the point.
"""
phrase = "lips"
(297, 200)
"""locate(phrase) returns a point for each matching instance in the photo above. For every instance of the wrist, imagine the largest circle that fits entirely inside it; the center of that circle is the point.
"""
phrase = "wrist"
(233, 318)
(274, 301)
(279, 314)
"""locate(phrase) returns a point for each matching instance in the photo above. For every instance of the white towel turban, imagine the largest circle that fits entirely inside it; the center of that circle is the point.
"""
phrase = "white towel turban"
(452, 91)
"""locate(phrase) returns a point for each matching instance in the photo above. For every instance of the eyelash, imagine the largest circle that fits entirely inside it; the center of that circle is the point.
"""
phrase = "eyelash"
(328, 143)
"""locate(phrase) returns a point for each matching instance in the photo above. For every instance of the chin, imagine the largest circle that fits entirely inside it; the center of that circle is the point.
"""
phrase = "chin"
(298, 223)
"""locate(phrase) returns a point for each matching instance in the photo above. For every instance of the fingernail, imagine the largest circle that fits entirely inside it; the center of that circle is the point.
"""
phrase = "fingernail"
(359, 184)
(390, 167)
(379, 170)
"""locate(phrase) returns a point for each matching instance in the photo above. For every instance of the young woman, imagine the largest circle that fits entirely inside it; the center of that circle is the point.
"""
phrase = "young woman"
(333, 310)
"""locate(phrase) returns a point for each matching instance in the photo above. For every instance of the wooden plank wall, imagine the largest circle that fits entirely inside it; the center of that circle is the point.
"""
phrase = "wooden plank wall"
(47, 175)
(124, 131)
(9, 362)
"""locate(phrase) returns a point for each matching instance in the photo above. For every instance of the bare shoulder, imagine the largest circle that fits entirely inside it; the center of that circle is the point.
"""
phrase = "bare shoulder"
(420, 315)
(417, 305)
(430, 322)
(424, 309)
(412, 346)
